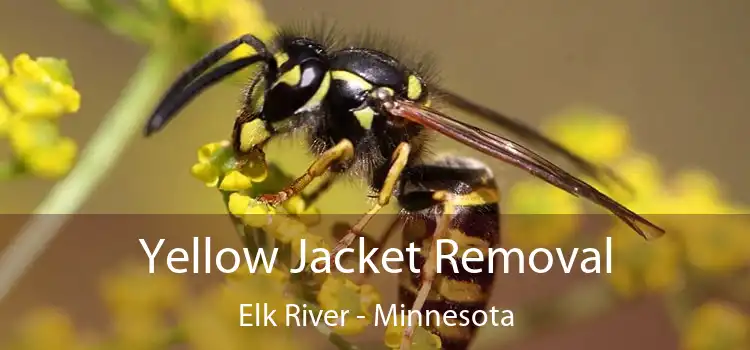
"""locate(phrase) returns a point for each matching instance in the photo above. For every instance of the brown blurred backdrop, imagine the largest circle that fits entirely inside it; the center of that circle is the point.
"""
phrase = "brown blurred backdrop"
(676, 70)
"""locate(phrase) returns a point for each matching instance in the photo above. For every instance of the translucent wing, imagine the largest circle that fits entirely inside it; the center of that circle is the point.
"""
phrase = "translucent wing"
(530, 135)
(519, 156)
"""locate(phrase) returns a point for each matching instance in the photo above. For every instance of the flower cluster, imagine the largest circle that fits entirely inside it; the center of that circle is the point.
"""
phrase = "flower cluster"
(241, 181)
(37, 92)
(189, 27)
(703, 244)
(154, 311)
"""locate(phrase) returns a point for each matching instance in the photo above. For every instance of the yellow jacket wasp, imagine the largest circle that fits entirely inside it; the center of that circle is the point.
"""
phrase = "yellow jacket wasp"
(367, 113)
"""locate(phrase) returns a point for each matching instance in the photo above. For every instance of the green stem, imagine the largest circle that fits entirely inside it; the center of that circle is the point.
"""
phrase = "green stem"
(121, 124)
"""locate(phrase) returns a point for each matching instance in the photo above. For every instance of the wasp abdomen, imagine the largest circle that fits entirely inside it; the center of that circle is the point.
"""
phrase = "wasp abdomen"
(473, 201)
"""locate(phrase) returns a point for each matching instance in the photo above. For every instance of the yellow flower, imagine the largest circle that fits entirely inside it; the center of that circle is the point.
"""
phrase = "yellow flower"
(713, 242)
(4, 69)
(52, 161)
(596, 136)
(235, 181)
(338, 293)
(41, 148)
(215, 161)
(244, 17)
(42, 87)
(537, 197)
(37, 92)
(205, 172)
(48, 329)
(421, 340)
(238, 204)
(6, 117)
(28, 135)
(202, 11)
(642, 172)
(540, 215)
(209, 150)
(696, 192)
(715, 326)
(643, 267)
(294, 205)
(208, 168)
(716, 243)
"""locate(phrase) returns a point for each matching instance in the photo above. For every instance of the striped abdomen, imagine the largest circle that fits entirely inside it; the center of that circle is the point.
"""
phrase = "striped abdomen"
(475, 224)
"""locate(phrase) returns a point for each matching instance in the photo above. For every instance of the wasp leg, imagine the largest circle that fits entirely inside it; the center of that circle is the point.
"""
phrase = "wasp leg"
(429, 269)
(341, 152)
(400, 158)
(314, 195)
(379, 245)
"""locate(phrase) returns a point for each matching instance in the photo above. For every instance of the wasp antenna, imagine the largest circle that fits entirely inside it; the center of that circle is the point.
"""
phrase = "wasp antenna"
(190, 82)
(170, 107)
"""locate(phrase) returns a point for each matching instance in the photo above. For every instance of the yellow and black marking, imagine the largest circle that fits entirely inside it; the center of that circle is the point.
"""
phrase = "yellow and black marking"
(365, 113)
(468, 192)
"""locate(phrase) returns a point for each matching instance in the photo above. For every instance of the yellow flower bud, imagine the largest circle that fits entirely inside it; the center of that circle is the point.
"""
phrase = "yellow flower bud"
(294, 205)
(53, 161)
(206, 173)
(27, 135)
(40, 99)
(41, 87)
(238, 204)
(257, 214)
(235, 181)
(207, 151)
(24, 66)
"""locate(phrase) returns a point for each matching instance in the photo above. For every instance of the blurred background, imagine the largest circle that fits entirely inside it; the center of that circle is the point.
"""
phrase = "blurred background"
(675, 71)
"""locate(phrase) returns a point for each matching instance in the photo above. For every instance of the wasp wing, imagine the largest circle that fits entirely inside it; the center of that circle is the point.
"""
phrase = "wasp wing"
(519, 156)
(529, 134)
